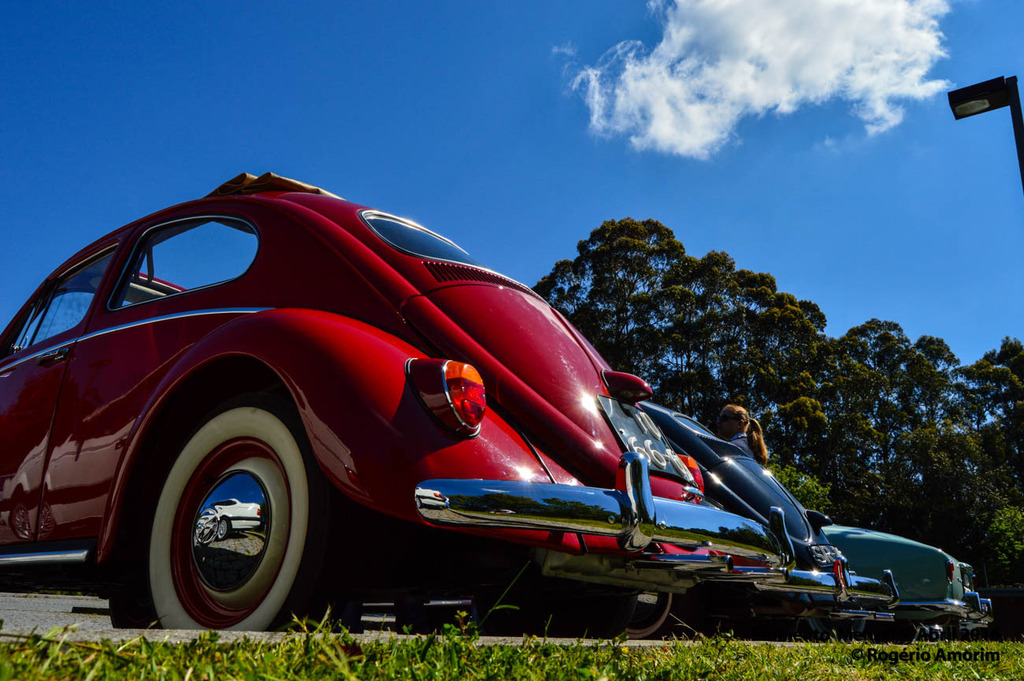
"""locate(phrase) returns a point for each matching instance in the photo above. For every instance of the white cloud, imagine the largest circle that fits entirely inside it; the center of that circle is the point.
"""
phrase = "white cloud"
(721, 60)
(566, 50)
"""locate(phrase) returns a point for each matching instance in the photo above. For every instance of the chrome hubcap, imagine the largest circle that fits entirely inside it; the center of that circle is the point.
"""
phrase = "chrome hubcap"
(230, 531)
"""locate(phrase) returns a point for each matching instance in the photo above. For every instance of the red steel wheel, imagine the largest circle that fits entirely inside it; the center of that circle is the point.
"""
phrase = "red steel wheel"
(247, 466)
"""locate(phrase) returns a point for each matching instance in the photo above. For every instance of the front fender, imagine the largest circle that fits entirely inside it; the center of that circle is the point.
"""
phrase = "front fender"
(366, 425)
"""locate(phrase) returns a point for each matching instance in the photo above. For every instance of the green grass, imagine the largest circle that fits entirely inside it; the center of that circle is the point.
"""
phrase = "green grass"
(314, 654)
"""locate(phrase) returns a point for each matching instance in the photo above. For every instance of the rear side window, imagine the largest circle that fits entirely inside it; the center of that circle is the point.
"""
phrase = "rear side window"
(414, 239)
(184, 256)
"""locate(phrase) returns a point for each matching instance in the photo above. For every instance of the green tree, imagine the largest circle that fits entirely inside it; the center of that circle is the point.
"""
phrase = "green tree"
(807, 489)
(1006, 546)
(993, 399)
(882, 431)
(613, 293)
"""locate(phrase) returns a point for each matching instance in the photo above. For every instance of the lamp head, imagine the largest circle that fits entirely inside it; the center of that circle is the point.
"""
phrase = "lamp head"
(979, 98)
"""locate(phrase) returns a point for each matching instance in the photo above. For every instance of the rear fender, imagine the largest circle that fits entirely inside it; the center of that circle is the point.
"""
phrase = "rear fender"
(367, 427)
(919, 569)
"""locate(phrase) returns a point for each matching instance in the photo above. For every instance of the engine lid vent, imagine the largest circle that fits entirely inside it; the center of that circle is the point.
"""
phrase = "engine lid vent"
(445, 272)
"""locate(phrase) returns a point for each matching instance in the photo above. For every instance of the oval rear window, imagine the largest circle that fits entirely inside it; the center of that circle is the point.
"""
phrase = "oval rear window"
(408, 237)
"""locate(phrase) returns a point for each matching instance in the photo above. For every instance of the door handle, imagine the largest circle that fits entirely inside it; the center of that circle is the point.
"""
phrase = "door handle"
(54, 356)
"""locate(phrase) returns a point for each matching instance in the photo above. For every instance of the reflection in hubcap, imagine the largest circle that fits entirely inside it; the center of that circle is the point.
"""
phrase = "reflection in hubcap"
(230, 531)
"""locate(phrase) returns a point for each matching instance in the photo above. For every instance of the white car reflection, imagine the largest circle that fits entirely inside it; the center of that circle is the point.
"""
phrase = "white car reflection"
(221, 518)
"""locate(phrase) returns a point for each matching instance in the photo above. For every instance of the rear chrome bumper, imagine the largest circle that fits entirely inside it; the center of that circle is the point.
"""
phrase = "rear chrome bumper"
(630, 513)
(636, 518)
(841, 588)
(972, 610)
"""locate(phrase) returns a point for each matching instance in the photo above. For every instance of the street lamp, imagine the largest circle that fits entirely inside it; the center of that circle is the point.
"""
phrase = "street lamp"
(992, 94)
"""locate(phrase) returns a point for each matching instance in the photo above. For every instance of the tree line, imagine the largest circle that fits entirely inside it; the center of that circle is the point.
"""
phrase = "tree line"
(871, 427)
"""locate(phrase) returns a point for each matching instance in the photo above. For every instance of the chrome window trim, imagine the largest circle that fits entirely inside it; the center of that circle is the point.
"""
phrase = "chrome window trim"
(688, 422)
(142, 237)
(4, 368)
(695, 426)
(70, 269)
(365, 216)
(415, 225)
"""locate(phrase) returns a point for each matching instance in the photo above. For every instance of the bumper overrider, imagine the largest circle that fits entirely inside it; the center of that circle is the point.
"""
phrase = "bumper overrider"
(632, 514)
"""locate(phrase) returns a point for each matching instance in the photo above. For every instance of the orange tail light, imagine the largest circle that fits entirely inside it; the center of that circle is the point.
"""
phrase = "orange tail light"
(452, 391)
(691, 465)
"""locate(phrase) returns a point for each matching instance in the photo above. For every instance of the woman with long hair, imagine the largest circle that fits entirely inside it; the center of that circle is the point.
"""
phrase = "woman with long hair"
(736, 426)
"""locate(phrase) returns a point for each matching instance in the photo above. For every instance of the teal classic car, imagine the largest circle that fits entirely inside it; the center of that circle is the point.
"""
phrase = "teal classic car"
(927, 586)
(935, 588)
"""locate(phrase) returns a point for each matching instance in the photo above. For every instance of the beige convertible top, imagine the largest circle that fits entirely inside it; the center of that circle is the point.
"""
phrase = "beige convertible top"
(247, 183)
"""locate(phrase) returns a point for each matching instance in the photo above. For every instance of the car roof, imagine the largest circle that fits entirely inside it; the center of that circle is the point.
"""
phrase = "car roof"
(237, 187)
(247, 183)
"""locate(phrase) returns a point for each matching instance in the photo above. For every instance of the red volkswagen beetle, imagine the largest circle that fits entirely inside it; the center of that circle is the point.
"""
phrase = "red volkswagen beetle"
(271, 399)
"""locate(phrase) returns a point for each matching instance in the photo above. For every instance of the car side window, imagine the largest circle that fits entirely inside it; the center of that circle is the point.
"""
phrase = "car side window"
(62, 306)
(186, 255)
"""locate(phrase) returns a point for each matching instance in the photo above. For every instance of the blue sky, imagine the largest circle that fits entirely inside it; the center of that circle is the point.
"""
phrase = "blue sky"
(463, 116)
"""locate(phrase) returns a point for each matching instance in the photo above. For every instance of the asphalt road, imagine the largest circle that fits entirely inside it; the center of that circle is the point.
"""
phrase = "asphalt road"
(28, 612)
(81, 618)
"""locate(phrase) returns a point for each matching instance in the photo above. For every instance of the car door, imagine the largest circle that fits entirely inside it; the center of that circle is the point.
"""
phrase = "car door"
(34, 356)
(178, 281)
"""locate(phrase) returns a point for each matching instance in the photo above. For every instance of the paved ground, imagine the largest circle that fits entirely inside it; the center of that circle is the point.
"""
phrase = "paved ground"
(25, 612)
(80, 618)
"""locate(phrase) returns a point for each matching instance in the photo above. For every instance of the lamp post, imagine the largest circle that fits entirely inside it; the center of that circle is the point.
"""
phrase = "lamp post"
(992, 94)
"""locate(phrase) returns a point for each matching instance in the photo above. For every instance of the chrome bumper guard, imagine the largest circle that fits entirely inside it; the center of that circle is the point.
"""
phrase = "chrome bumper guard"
(632, 514)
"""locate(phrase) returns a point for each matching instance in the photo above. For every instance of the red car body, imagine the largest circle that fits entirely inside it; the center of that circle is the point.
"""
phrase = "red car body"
(328, 316)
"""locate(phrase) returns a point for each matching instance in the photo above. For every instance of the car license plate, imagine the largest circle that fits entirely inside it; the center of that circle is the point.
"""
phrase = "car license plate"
(638, 433)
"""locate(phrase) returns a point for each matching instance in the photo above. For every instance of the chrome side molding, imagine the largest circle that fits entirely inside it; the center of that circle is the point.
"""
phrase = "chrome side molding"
(75, 556)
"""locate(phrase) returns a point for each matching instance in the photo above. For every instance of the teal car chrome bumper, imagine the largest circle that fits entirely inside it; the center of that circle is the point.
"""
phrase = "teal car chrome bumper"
(933, 585)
